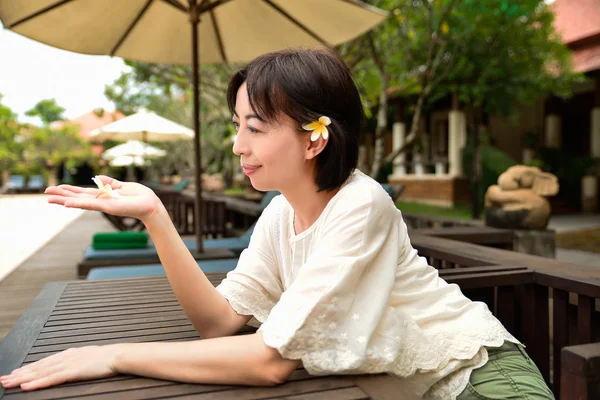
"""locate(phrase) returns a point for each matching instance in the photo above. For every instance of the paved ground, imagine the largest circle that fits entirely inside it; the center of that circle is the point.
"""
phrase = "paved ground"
(54, 262)
(27, 222)
(574, 222)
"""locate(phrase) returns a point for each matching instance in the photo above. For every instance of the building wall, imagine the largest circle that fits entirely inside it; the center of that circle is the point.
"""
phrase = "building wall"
(508, 135)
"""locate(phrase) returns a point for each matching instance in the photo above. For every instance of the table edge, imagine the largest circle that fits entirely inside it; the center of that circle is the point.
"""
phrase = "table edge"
(20, 339)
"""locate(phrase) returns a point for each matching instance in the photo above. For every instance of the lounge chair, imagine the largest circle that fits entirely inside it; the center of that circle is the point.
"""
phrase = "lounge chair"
(36, 183)
(132, 271)
(16, 183)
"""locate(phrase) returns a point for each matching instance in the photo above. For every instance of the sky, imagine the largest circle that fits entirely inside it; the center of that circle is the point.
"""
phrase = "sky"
(31, 71)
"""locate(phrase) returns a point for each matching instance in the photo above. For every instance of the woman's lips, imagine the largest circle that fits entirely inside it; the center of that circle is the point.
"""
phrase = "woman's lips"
(250, 169)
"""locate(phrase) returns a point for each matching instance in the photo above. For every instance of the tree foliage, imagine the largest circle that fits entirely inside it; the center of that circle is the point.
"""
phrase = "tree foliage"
(496, 54)
(47, 110)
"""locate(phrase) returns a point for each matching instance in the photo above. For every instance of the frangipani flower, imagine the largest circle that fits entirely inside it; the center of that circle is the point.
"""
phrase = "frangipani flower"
(318, 128)
(104, 189)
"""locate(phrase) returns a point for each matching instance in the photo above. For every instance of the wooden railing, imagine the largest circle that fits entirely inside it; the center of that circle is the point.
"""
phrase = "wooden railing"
(553, 311)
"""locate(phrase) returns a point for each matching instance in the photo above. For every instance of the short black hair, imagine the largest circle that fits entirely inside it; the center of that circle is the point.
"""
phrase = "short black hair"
(306, 84)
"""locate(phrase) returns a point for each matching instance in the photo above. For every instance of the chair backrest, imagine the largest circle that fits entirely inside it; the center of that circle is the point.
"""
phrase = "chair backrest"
(36, 181)
(182, 184)
(17, 181)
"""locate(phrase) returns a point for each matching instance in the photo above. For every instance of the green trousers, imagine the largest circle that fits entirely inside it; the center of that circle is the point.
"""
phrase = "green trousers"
(509, 374)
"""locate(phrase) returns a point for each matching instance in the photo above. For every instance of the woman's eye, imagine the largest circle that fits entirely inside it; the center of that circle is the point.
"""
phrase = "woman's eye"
(235, 125)
(251, 129)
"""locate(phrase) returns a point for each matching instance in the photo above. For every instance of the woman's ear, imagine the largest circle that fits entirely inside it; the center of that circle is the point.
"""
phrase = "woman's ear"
(315, 148)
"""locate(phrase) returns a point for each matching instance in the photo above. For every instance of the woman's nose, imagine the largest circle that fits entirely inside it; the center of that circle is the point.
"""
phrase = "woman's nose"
(239, 147)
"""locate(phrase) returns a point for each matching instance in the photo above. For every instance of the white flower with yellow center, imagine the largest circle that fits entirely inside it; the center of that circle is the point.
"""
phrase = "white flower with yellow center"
(318, 128)
(104, 189)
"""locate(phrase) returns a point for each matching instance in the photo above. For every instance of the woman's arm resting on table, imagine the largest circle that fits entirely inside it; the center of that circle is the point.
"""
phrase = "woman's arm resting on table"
(233, 360)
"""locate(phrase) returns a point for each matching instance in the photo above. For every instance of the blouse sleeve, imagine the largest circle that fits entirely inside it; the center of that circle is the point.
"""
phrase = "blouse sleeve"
(254, 286)
(330, 312)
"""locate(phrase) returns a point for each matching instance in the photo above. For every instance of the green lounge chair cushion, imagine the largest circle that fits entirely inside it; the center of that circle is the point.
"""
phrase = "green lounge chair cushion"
(120, 240)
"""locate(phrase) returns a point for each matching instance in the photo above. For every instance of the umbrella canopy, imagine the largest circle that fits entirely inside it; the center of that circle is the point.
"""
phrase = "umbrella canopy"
(133, 148)
(127, 161)
(144, 125)
(158, 31)
(192, 31)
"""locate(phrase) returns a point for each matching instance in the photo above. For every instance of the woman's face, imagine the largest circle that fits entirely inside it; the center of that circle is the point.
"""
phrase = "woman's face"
(272, 153)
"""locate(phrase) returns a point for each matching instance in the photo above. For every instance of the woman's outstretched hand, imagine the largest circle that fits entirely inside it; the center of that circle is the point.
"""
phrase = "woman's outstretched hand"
(92, 362)
(126, 199)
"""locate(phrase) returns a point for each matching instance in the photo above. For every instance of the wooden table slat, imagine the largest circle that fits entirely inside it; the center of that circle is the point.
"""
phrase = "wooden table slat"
(116, 318)
(136, 311)
(349, 393)
(164, 302)
(108, 329)
(113, 335)
(102, 300)
(139, 339)
(276, 392)
(162, 317)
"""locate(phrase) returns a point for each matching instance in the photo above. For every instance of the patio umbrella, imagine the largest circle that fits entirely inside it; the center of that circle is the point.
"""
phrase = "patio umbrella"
(133, 148)
(127, 161)
(145, 126)
(168, 32)
(132, 153)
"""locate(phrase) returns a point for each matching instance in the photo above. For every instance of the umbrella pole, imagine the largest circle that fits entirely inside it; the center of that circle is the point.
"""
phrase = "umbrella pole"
(195, 19)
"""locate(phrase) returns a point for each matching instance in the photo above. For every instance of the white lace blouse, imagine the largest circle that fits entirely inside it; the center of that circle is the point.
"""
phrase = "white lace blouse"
(350, 295)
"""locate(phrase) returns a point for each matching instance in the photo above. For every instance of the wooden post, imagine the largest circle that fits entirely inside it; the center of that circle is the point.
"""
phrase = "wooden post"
(580, 372)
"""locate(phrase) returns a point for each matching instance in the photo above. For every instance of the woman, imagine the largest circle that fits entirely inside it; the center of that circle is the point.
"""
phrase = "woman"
(329, 273)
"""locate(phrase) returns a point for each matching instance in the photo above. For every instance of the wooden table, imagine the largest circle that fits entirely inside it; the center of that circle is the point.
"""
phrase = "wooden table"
(81, 313)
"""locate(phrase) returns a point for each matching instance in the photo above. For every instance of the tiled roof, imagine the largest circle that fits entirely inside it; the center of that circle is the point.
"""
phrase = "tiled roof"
(576, 19)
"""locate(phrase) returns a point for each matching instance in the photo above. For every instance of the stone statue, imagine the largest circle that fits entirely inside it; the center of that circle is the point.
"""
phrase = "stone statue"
(518, 200)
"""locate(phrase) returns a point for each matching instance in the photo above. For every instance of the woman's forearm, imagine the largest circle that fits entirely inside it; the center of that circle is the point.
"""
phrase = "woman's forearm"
(208, 310)
(233, 360)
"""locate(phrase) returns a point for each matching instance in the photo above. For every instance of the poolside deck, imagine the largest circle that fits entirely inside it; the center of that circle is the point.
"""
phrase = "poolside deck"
(56, 261)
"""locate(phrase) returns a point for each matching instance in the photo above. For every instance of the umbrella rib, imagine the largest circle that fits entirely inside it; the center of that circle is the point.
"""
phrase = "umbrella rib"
(296, 22)
(130, 27)
(213, 18)
(39, 12)
(362, 4)
(177, 5)
(211, 6)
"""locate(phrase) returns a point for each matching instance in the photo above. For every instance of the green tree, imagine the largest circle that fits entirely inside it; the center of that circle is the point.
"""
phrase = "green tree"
(45, 148)
(47, 110)
(10, 148)
(495, 55)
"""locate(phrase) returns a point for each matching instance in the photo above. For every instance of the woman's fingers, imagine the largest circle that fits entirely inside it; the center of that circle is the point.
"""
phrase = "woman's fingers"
(26, 376)
(46, 381)
(107, 180)
(70, 188)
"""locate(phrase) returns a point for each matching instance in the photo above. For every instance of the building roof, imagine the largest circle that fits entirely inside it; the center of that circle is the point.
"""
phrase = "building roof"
(90, 121)
(578, 23)
(576, 19)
